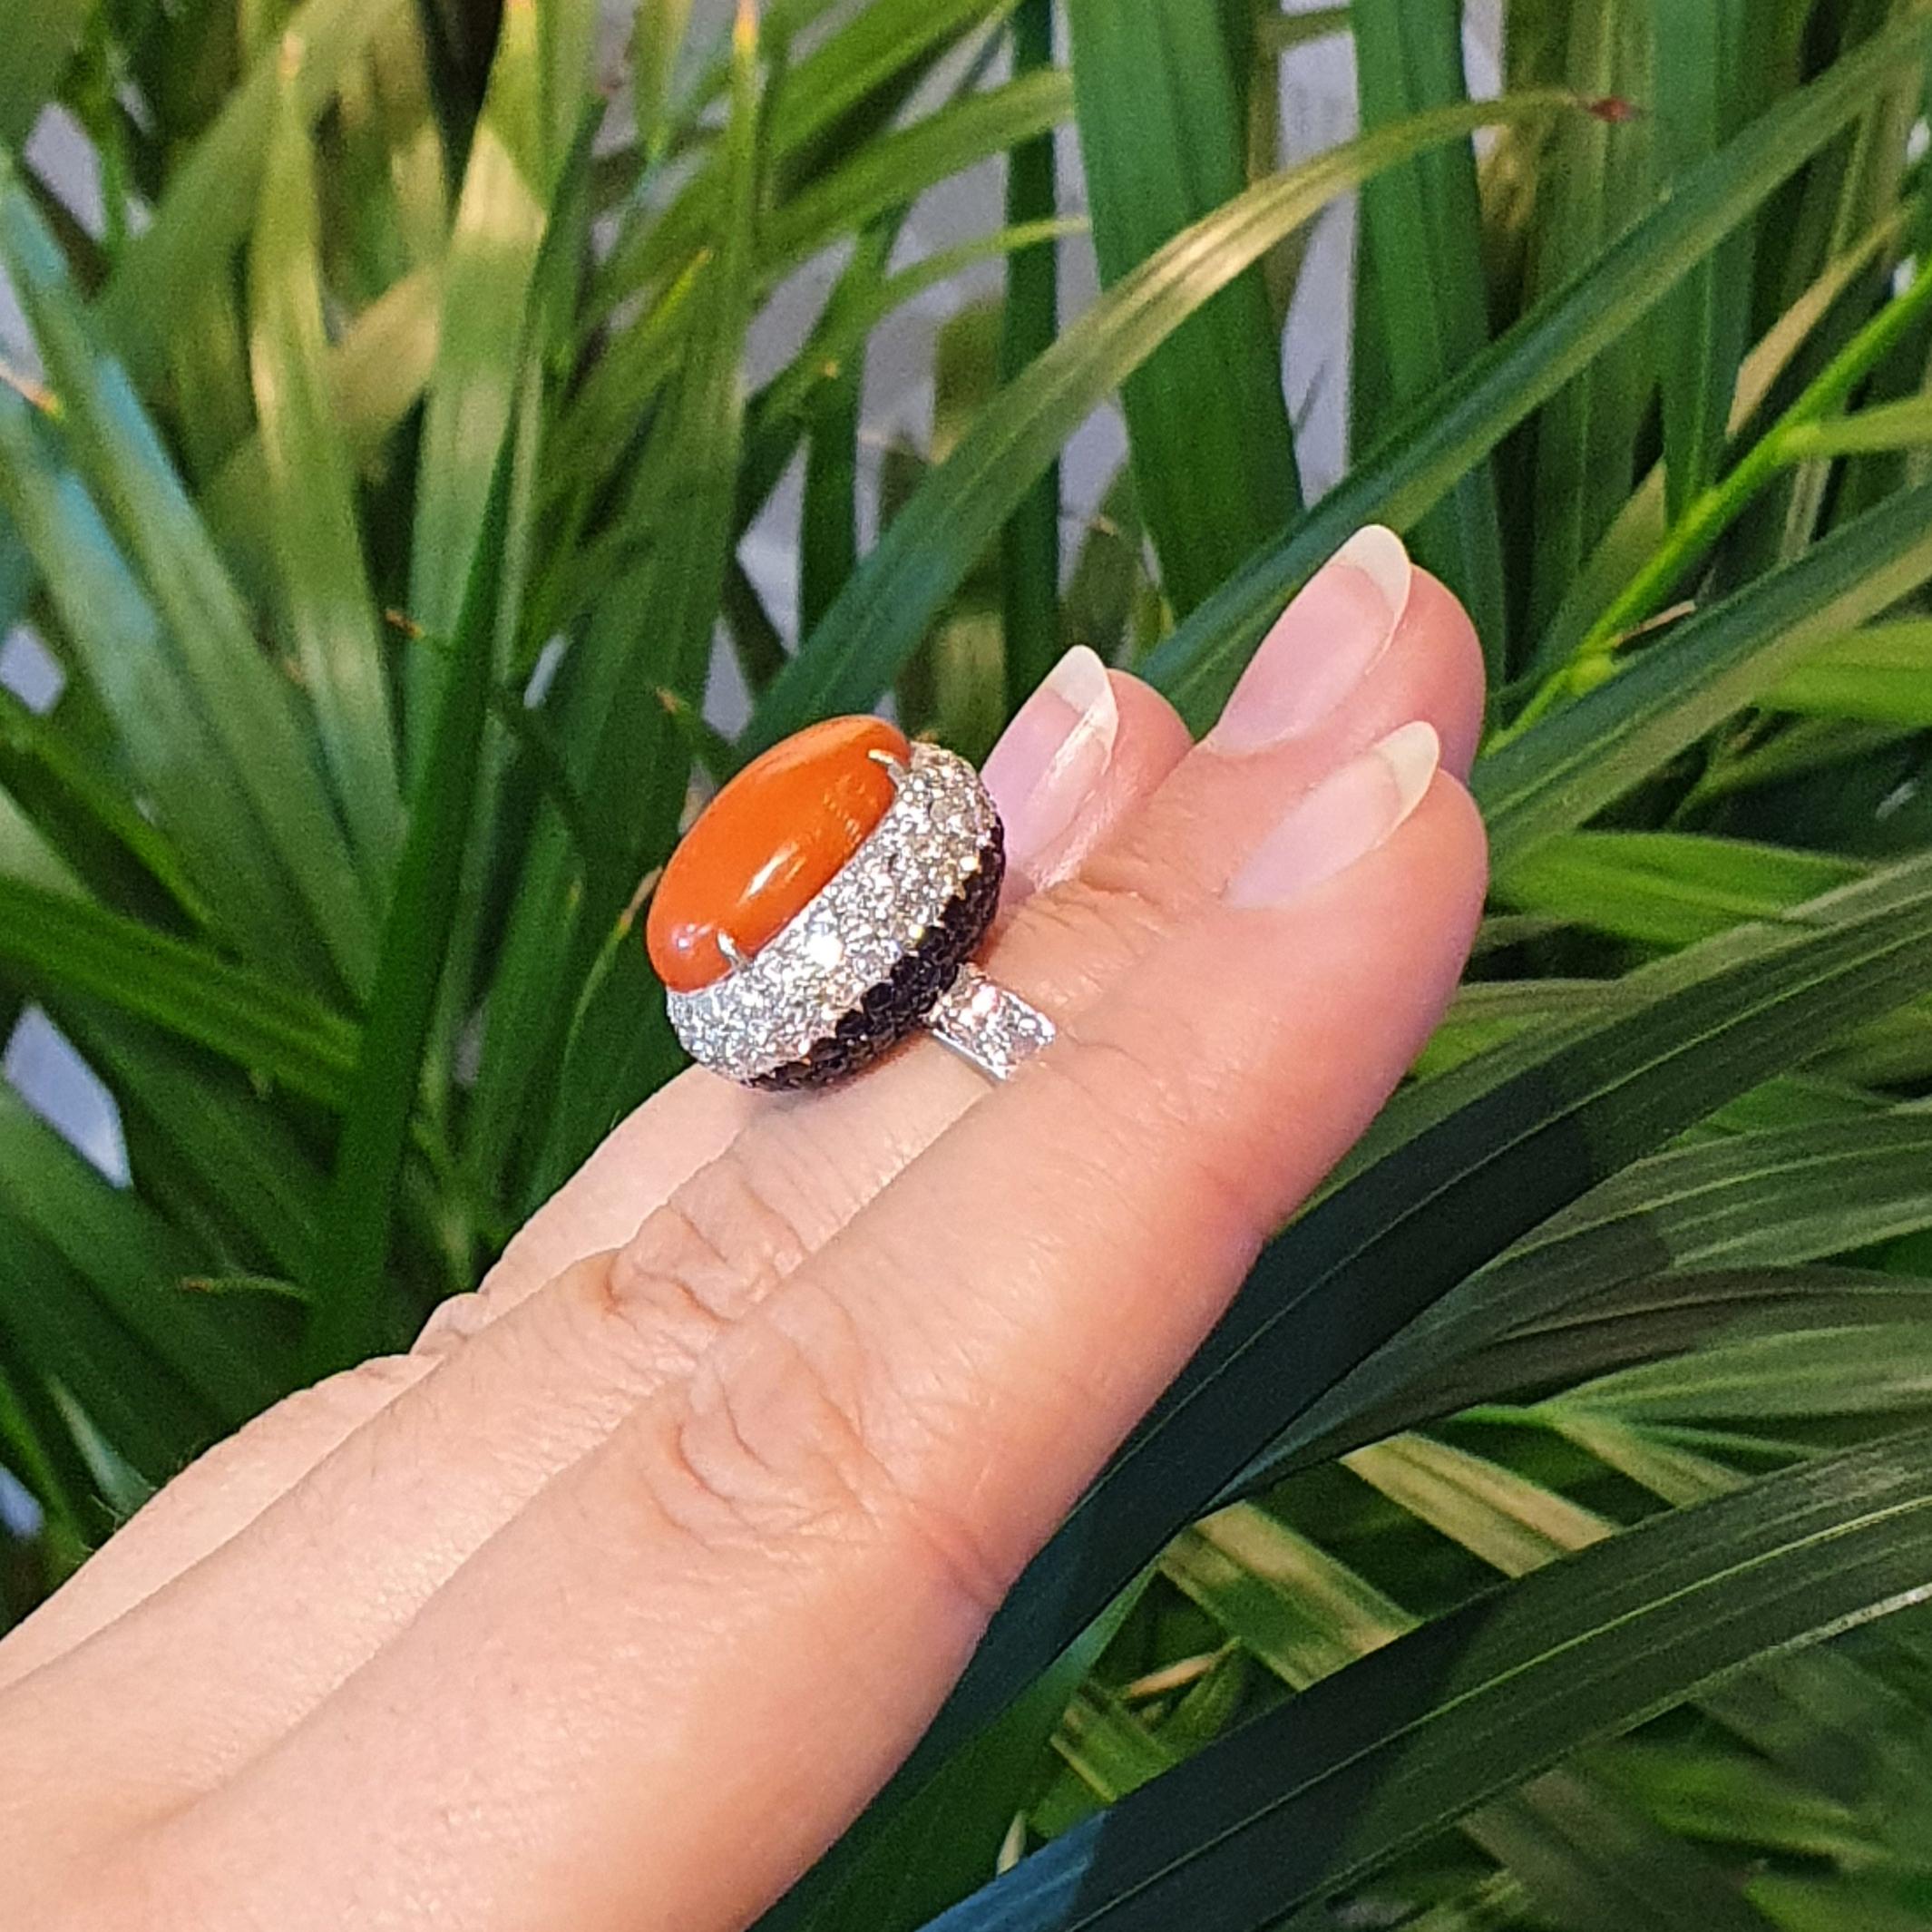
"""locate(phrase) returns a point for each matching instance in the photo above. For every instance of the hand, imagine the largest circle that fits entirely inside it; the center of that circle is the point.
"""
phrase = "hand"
(611, 1603)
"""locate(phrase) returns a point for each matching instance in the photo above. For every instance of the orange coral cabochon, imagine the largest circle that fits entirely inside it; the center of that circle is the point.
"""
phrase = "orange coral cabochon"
(767, 844)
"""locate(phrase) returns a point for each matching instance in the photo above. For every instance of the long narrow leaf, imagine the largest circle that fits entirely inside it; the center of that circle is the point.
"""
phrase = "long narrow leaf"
(53, 942)
(378, 370)
(86, 814)
(208, 1150)
(1640, 526)
(1032, 544)
(1597, 182)
(636, 751)
(1617, 1328)
(53, 1323)
(311, 502)
(882, 177)
(1163, 132)
(1318, 1793)
(1423, 224)
(1786, 1196)
(501, 218)
(871, 57)
(170, 746)
(1667, 888)
(138, 1266)
(1702, 327)
(1598, 1864)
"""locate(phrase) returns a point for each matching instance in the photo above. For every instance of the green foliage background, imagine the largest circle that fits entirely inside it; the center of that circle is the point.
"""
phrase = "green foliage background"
(1539, 1540)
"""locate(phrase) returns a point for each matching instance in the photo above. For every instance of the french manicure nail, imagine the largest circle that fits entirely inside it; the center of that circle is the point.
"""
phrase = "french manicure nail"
(1053, 754)
(1352, 812)
(1322, 646)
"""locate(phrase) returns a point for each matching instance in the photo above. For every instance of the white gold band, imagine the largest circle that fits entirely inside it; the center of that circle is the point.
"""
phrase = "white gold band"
(986, 1025)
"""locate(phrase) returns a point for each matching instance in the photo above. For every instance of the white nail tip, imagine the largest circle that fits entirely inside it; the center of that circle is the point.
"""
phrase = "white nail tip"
(1080, 681)
(1383, 558)
(1411, 755)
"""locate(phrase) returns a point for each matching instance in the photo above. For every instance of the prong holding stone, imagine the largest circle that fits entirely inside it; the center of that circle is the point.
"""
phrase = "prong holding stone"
(892, 764)
(729, 947)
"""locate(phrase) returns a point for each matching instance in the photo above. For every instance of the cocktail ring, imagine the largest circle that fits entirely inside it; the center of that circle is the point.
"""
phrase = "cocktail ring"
(827, 902)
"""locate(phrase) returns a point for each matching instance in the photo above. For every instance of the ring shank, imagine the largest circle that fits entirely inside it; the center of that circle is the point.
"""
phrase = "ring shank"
(987, 1026)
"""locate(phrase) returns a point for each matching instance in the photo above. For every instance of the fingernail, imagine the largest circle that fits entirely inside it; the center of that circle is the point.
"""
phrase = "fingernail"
(1322, 646)
(1345, 817)
(1055, 751)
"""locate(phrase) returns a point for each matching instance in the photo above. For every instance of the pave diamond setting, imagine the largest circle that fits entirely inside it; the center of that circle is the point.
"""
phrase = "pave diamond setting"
(867, 961)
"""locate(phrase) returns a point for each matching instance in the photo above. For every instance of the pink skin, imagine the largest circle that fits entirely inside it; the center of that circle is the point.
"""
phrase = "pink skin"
(704, 1497)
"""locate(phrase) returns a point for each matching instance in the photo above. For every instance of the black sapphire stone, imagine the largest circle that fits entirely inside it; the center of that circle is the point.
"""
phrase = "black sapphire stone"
(897, 1004)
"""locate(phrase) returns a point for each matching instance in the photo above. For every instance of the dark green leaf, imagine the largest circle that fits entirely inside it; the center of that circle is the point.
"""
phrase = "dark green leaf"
(133, 1261)
(1618, 1327)
(877, 182)
(896, 167)
(938, 1849)
(1702, 54)
(502, 215)
(170, 745)
(1031, 543)
(1317, 1794)
(196, 1138)
(378, 370)
(1597, 1864)
(869, 60)
(1639, 529)
(52, 1323)
(1423, 225)
(633, 748)
(81, 809)
(1162, 134)
(1785, 1196)
(1597, 182)
(254, 719)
